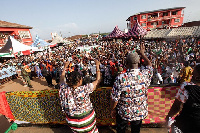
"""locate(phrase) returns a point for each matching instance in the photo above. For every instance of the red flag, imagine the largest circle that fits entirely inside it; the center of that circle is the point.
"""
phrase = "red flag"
(53, 45)
(27, 52)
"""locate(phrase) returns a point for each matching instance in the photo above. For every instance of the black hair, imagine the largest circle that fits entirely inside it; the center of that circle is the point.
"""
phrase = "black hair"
(73, 78)
(197, 68)
(186, 63)
(86, 80)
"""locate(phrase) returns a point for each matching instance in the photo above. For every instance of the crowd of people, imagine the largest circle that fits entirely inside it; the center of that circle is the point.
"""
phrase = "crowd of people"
(121, 65)
(167, 57)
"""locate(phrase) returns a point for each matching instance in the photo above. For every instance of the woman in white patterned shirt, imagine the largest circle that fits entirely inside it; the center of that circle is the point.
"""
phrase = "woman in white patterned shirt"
(75, 100)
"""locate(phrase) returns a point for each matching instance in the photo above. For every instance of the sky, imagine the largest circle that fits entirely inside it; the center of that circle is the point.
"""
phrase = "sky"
(75, 17)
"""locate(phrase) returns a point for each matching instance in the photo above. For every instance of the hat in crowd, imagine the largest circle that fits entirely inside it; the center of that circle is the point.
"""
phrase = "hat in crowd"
(133, 58)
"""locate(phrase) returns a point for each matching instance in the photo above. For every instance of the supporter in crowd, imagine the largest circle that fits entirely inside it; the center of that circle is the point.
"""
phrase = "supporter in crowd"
(186, 73)
(7, 72)
(46, 72)
(129, 93)
(166, 57)
(19, 74)
(187, 103)
(37, 71)
(75, 100)
(26, 76)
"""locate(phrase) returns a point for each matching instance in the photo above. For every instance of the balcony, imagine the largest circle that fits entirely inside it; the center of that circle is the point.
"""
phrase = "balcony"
(162, 26)
(153, 19)
(164, 18)
(177, 16)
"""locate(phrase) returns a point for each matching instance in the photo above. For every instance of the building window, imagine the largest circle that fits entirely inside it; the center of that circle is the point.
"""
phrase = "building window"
(165, 22)
(154, 23)
(135, 18)
(144, 24)
(165, 14)
(174, 13)
(177, 20)
(24, 34)
(143, 17)
(155, 15)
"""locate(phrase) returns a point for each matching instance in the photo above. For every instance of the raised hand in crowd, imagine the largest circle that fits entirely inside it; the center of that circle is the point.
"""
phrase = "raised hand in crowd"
(98, 75)
(142, 51)
(66, 64)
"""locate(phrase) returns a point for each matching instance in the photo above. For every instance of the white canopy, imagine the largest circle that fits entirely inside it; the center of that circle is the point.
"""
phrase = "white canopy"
(15, 46)
(87, 48)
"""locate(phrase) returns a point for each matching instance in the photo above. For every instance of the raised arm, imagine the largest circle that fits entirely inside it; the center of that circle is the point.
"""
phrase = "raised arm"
(146, 60)
(63, 72)
(98, 77)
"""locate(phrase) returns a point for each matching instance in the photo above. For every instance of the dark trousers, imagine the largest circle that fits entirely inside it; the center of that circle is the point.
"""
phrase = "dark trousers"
(30, 75)
(122, 124)
(49, 79)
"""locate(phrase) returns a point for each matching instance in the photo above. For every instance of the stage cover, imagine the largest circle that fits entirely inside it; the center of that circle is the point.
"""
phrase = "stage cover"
(14, 47)
(56, 39)
(136, 31)
(39, 42)
(115, 33)
(44, 106)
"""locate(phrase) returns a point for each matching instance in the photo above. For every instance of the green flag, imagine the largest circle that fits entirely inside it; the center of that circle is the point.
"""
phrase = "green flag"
(4, 54)
(159, 52)
(190, 49)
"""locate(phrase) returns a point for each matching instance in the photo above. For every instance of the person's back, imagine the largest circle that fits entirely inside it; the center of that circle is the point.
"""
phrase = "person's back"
(23, 71)
(189, 117)
(186, 74)
(133, 95)
(75, 100)
(129, 93)
(187, 103)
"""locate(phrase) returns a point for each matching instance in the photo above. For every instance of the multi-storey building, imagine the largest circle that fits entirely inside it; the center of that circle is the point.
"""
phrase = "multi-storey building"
(19, 32)
(158, 19)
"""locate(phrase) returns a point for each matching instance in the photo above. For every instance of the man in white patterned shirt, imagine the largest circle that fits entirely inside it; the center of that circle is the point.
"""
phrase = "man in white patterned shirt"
(129, 93)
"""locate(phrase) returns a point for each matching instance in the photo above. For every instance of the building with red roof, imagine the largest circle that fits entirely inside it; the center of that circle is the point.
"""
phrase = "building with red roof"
(19, 32)
(158, 19)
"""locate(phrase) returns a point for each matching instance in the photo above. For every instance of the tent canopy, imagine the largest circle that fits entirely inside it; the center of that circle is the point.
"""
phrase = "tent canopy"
(136, 31)
(14, 46)
(17, 46)
(115, 33)
(56, 39)
(39, 42)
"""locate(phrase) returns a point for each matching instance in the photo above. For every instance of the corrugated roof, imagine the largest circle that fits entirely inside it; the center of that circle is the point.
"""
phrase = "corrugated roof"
(157, 33)
(197, 33)
(13, 25)
(174, 33)
(182, 32)
(161, 10)
(156, 11)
